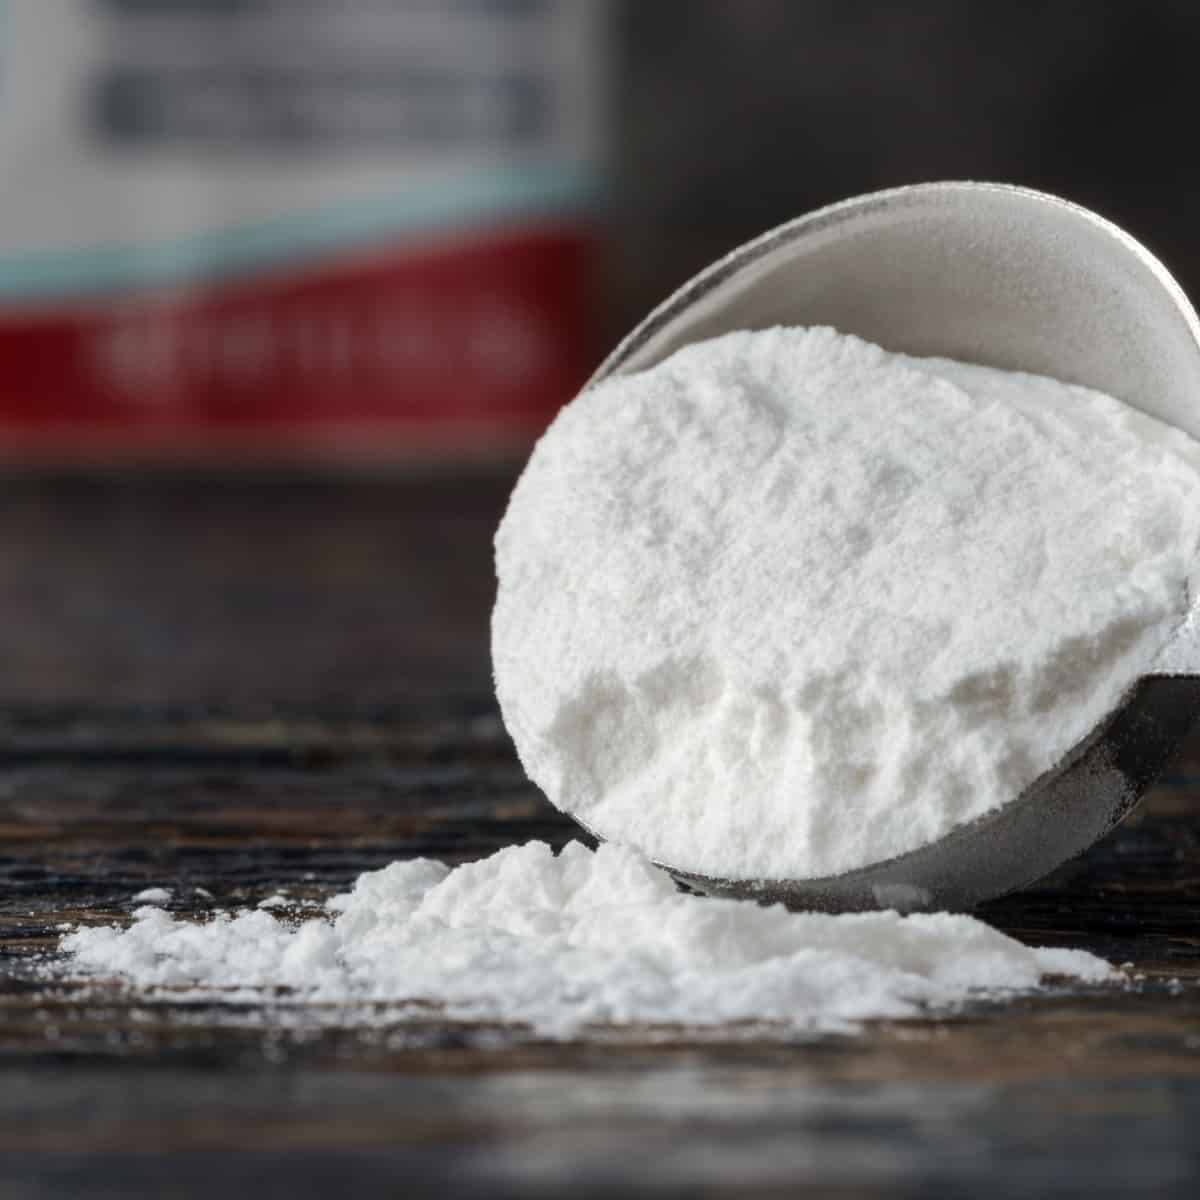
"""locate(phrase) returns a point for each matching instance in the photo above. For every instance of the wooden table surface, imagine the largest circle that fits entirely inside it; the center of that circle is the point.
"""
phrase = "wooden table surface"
(246, 685)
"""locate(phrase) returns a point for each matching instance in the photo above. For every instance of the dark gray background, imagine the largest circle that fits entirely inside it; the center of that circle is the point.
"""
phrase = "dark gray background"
(733, 115)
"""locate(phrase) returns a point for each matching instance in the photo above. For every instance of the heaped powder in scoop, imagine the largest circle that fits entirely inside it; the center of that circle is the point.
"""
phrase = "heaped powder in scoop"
(786, 604)
(561, 943)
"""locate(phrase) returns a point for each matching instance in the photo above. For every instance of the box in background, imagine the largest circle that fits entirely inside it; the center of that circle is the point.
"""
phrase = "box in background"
(260, 229)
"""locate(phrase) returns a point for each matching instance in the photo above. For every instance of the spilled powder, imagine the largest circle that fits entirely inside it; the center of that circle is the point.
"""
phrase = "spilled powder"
(786, 604)
(582, 939)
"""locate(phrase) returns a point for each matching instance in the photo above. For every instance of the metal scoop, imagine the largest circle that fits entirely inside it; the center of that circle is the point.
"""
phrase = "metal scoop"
(1010, 278)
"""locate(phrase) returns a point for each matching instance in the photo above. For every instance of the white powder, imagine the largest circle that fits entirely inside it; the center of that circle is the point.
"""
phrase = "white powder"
(787, 604)
(582, 939)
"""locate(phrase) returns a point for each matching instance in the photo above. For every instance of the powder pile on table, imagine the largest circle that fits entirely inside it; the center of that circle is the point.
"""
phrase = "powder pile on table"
(786, 604)
(561, 943)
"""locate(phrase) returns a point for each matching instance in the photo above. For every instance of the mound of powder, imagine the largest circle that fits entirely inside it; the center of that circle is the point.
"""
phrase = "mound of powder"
(786, 604)
(582, 938)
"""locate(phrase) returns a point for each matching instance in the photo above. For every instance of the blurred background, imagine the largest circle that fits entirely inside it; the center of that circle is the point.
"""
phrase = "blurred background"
(287, 287)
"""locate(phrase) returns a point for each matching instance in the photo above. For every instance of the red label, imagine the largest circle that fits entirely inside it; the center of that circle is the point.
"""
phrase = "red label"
(471, 348)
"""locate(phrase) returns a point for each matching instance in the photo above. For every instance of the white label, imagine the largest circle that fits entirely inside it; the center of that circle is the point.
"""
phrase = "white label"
(139, 122)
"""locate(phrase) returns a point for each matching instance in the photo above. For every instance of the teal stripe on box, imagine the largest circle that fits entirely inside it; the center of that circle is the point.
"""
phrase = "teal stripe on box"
(470, 202)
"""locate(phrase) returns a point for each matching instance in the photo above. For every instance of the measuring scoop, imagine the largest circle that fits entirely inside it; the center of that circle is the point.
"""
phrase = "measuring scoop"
(1009, 278)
